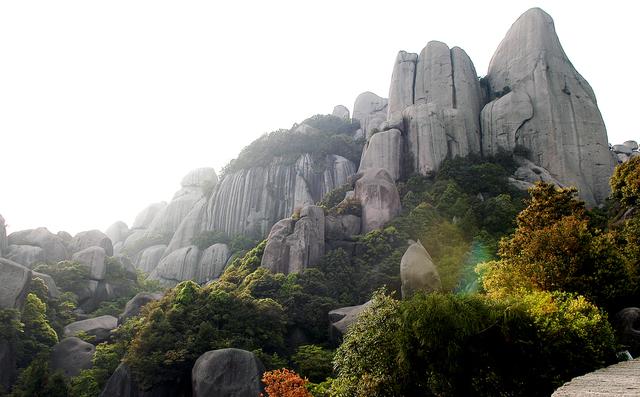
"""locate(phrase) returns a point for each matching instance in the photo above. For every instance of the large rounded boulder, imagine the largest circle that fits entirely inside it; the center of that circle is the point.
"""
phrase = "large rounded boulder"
(227, 372)
(417, 271)
(72, 355)
(91, 238)
(54, 248)
(100, 327)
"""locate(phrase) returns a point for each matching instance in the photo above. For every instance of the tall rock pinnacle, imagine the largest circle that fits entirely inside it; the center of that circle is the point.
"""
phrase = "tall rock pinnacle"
(549, 108)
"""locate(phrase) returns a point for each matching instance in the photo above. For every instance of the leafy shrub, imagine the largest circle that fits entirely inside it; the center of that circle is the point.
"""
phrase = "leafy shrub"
(37, 381)
(625, 183)
(68, 275)
(284, 383)
(313, 362)
(334, 197)
(37, 336)
(208, 238)
(90, 382)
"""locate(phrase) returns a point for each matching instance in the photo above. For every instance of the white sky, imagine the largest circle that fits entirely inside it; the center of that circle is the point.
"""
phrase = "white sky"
(105, 105)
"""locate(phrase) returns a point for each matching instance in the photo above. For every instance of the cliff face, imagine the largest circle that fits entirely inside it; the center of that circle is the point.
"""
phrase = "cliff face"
(539, 103)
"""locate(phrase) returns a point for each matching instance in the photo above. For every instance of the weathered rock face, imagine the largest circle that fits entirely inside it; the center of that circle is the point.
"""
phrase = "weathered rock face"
(294, 245)
(94, 259)
(384, 150)
(26, 255)
(118, 232)
(100, 327)
(566, 133)
(3, 237)
(227, 372)
(145, 217)
(150, 257)
(502, 119)
(212, 262)
(417, 271)
(91, 238)
(189, 228)
(527, 174)
(627, 325)
(379, 198)
(72, 355)
(178, 266)
(371, 111)
(341, 227)
(342, 112)
(52, 245)
(200, 177)
(14, 283)
(251, 201)
(168, 219)
(341, 319)
(133, 307)
(121, 384)
(402, 80)
(625, 152)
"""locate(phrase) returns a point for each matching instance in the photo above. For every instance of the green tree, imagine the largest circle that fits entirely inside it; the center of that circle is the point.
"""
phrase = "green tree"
(313, 362)
(38, 336)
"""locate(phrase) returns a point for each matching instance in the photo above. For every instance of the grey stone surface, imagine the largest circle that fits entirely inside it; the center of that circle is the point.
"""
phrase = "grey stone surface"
(54, 248)
(3, 237)
(212, 262)
(52, 288)
(371, 111)
(227, 372)
(26, 255)
(624, 149)
(178, 266)
(502, 120)
(342, 318)
(341, 227)
(146, 216)
(100, 327)
(418, 272)
(468, 100)
(118, 232)
(251, 201)
(121, 384)
(384, 150)
(150, 257)
(200, 177)
(434, 76)
(618, 380)
(135, 304)
(189, 228)
(426, 137)
(342, 112)
(294, 245)
(402, 80)
(14, 283)
(378, 195)
(566, 134)
(71, 355)
(633, 145)
(94, 259)
(531, 173)
(91, 238)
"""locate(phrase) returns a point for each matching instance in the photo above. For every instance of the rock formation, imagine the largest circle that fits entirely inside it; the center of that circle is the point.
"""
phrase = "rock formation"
(295, 244)
(561, 126)
(227, 372)
(72, 355)
(26, 255)
(177, 266)
(118, 232)
(212, 262)
(371, 111)
(14, 284)
(100, 327)
(53, 247)
(94, 259)
(417, 271)
(384, 150)
(150, 257)
(3, 237)
(342, 112)
(91, 238)
(135, 304)
(342, 318)
(378, 195)
(626, 151)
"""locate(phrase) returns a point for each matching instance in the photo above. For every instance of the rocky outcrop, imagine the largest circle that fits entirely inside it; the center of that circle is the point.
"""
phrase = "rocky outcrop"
(189, 228)
(14, 284)
(341, 227)
(341, 319)
(342, 112)
(501, 121)
(212, 262)
(384, 150)
(26, 255)
(91, 238)
(417, 271)
(251, 201)
(135, 304)
(295, 244)
(565, 134)
(178, 266)
(402, 80)
(53, 246)
(146, 216)
(118, 232)
(227, 372)
(371, 111)
(100, 327)
(52, 288)
(378, 196)
(200, 177)
(528, 173)
(72, 355)
(150, 257)
(121, 384)
(3, 237)
(94, 259)
(626, 151)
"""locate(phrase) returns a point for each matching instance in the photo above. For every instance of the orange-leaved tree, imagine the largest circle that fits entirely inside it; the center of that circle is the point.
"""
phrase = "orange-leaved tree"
(284, 383)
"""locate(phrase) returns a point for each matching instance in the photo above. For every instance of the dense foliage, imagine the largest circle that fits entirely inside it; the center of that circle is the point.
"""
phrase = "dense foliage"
(328, 135)
(284, 383)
